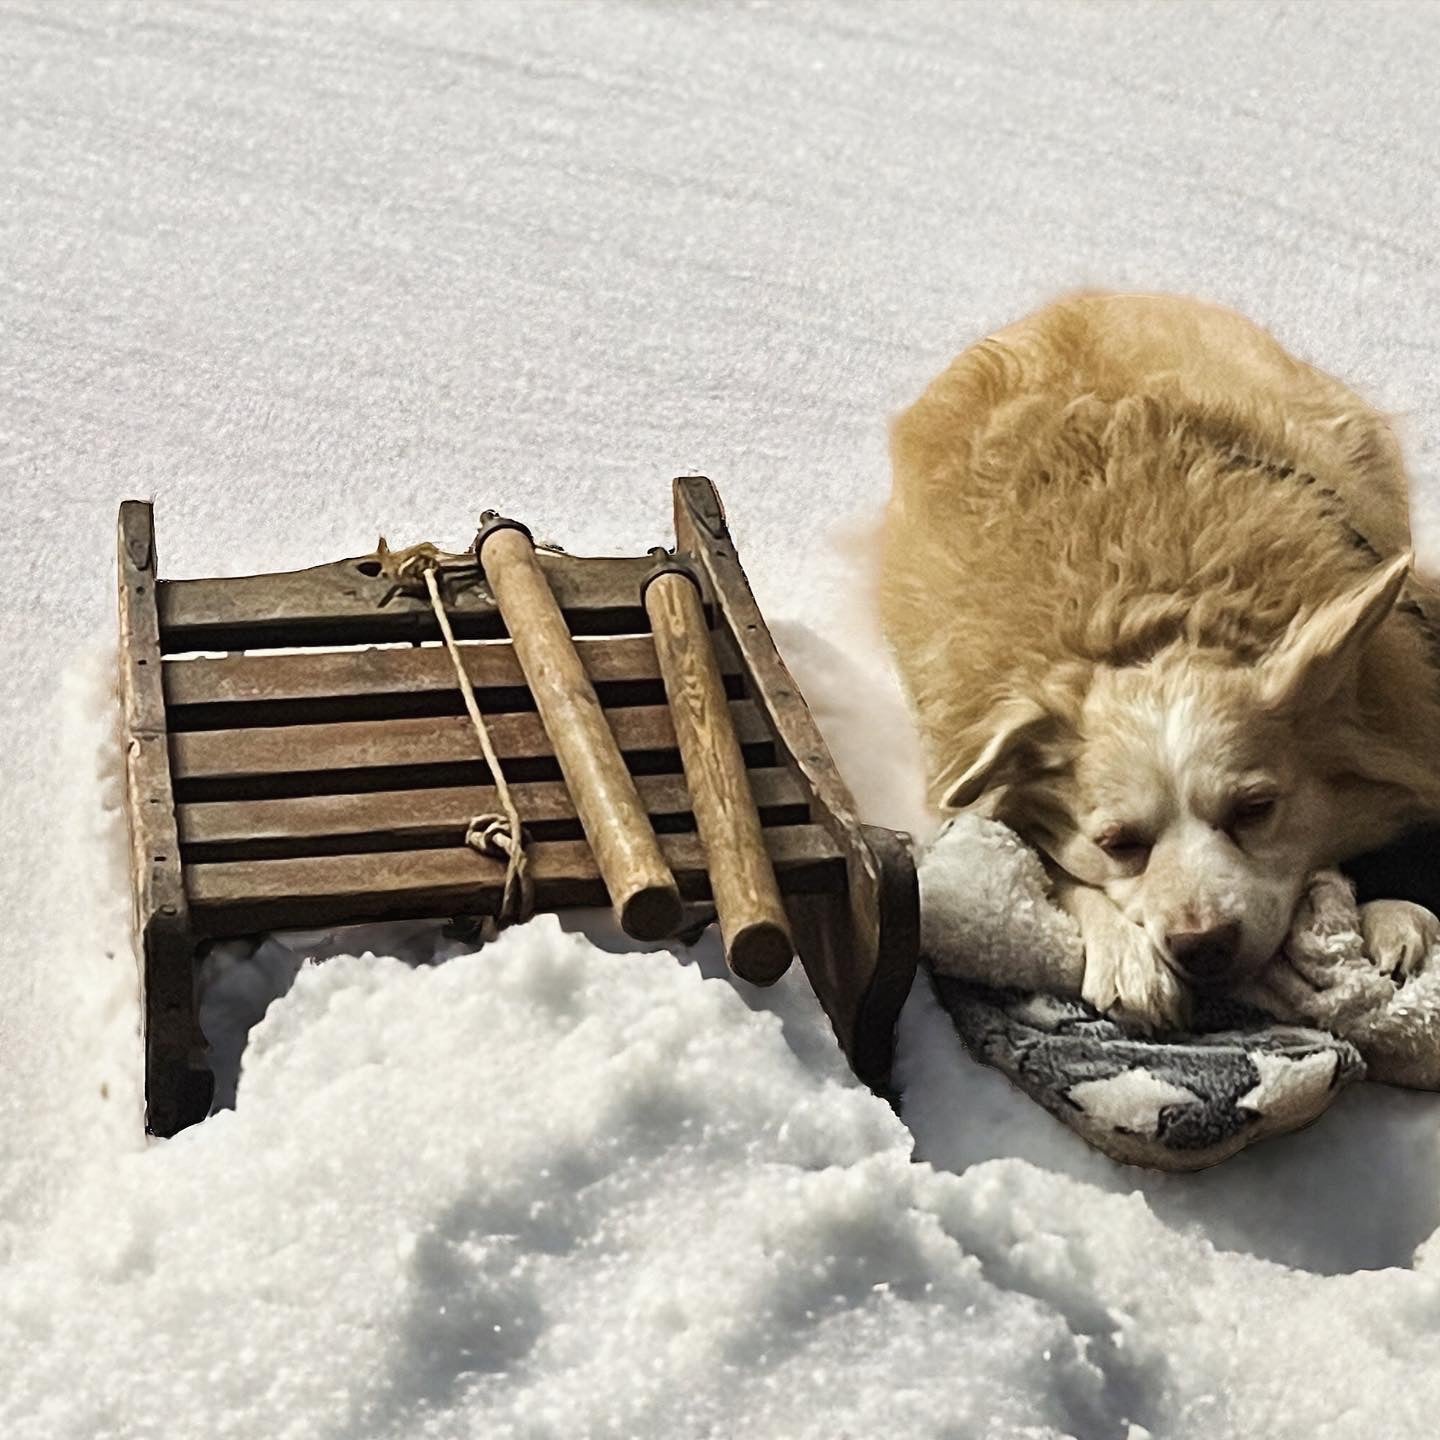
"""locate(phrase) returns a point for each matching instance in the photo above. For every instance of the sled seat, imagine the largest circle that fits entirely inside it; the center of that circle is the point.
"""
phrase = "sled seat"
(299, 754)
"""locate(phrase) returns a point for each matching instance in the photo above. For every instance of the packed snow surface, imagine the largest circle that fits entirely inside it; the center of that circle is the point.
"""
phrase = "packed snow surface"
(310, 272)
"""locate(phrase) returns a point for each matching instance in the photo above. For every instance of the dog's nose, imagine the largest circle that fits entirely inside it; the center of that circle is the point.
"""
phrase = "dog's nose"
(1205, 954)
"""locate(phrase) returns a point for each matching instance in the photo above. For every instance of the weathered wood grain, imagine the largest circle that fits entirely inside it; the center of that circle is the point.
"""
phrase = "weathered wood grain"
(339, 604)
(642, 889)
(753, 924)
(326, 674)
(176, 1085)
(446, 739)
(418, 816)
(324, 890)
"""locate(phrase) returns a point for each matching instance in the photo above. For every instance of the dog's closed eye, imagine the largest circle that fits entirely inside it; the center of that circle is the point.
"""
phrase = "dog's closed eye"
(1251, 810)
(1125, 845)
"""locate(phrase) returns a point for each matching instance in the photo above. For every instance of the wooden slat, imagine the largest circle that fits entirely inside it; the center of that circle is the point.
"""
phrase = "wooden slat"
(156, 861)
(427, 813)
(298, 749)
(339, 604)
(243, 896)
(325, 674)
(175, 1094)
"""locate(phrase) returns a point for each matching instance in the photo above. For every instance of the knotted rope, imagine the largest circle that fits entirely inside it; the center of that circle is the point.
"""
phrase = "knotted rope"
(497, 834)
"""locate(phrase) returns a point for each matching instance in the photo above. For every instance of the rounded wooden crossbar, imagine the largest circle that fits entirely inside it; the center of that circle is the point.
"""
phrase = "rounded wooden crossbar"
(753, 924)
(640, 883)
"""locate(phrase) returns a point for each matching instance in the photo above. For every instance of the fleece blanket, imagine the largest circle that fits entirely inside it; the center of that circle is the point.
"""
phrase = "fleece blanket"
(1007, 964)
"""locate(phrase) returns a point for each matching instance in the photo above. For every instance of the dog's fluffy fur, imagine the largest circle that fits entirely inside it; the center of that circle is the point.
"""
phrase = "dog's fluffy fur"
(1147, 579)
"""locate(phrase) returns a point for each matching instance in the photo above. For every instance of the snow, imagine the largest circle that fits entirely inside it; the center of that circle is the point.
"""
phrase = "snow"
(310, 273)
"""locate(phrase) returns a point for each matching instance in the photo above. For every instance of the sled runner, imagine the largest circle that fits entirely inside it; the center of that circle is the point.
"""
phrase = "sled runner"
(300, 752)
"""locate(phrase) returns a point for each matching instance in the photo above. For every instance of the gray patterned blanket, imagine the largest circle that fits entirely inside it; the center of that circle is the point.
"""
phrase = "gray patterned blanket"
(1174, 1104)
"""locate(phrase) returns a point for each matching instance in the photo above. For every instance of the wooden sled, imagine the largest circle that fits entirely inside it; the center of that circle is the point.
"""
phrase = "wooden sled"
(278, 779)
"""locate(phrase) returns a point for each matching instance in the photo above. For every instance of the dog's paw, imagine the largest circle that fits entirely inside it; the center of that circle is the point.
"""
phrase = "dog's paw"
(1326, 909)
(1126, 979)
(1398, 935)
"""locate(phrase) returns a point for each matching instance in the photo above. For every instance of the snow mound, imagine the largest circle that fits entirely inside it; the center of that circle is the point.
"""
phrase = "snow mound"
(548, 1191)
(540, 1190)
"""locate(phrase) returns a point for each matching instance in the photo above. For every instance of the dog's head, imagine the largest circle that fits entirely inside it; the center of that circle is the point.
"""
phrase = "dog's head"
(1186, 787)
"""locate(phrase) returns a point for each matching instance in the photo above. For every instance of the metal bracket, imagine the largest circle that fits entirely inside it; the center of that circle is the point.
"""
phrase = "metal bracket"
(490, 522)
(668, 562)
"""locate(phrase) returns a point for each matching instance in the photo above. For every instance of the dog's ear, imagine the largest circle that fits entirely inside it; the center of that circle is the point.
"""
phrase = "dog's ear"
(1016, 728)
(1321, 649)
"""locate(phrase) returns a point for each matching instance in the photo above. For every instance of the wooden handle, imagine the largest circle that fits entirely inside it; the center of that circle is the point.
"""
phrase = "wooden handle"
(753, 923)
(641, 886)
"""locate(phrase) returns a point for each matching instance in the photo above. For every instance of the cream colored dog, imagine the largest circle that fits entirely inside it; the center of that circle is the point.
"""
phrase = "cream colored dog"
(1147, 578)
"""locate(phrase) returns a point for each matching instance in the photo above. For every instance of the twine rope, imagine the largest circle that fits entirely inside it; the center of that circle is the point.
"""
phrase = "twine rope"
(497, 834)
